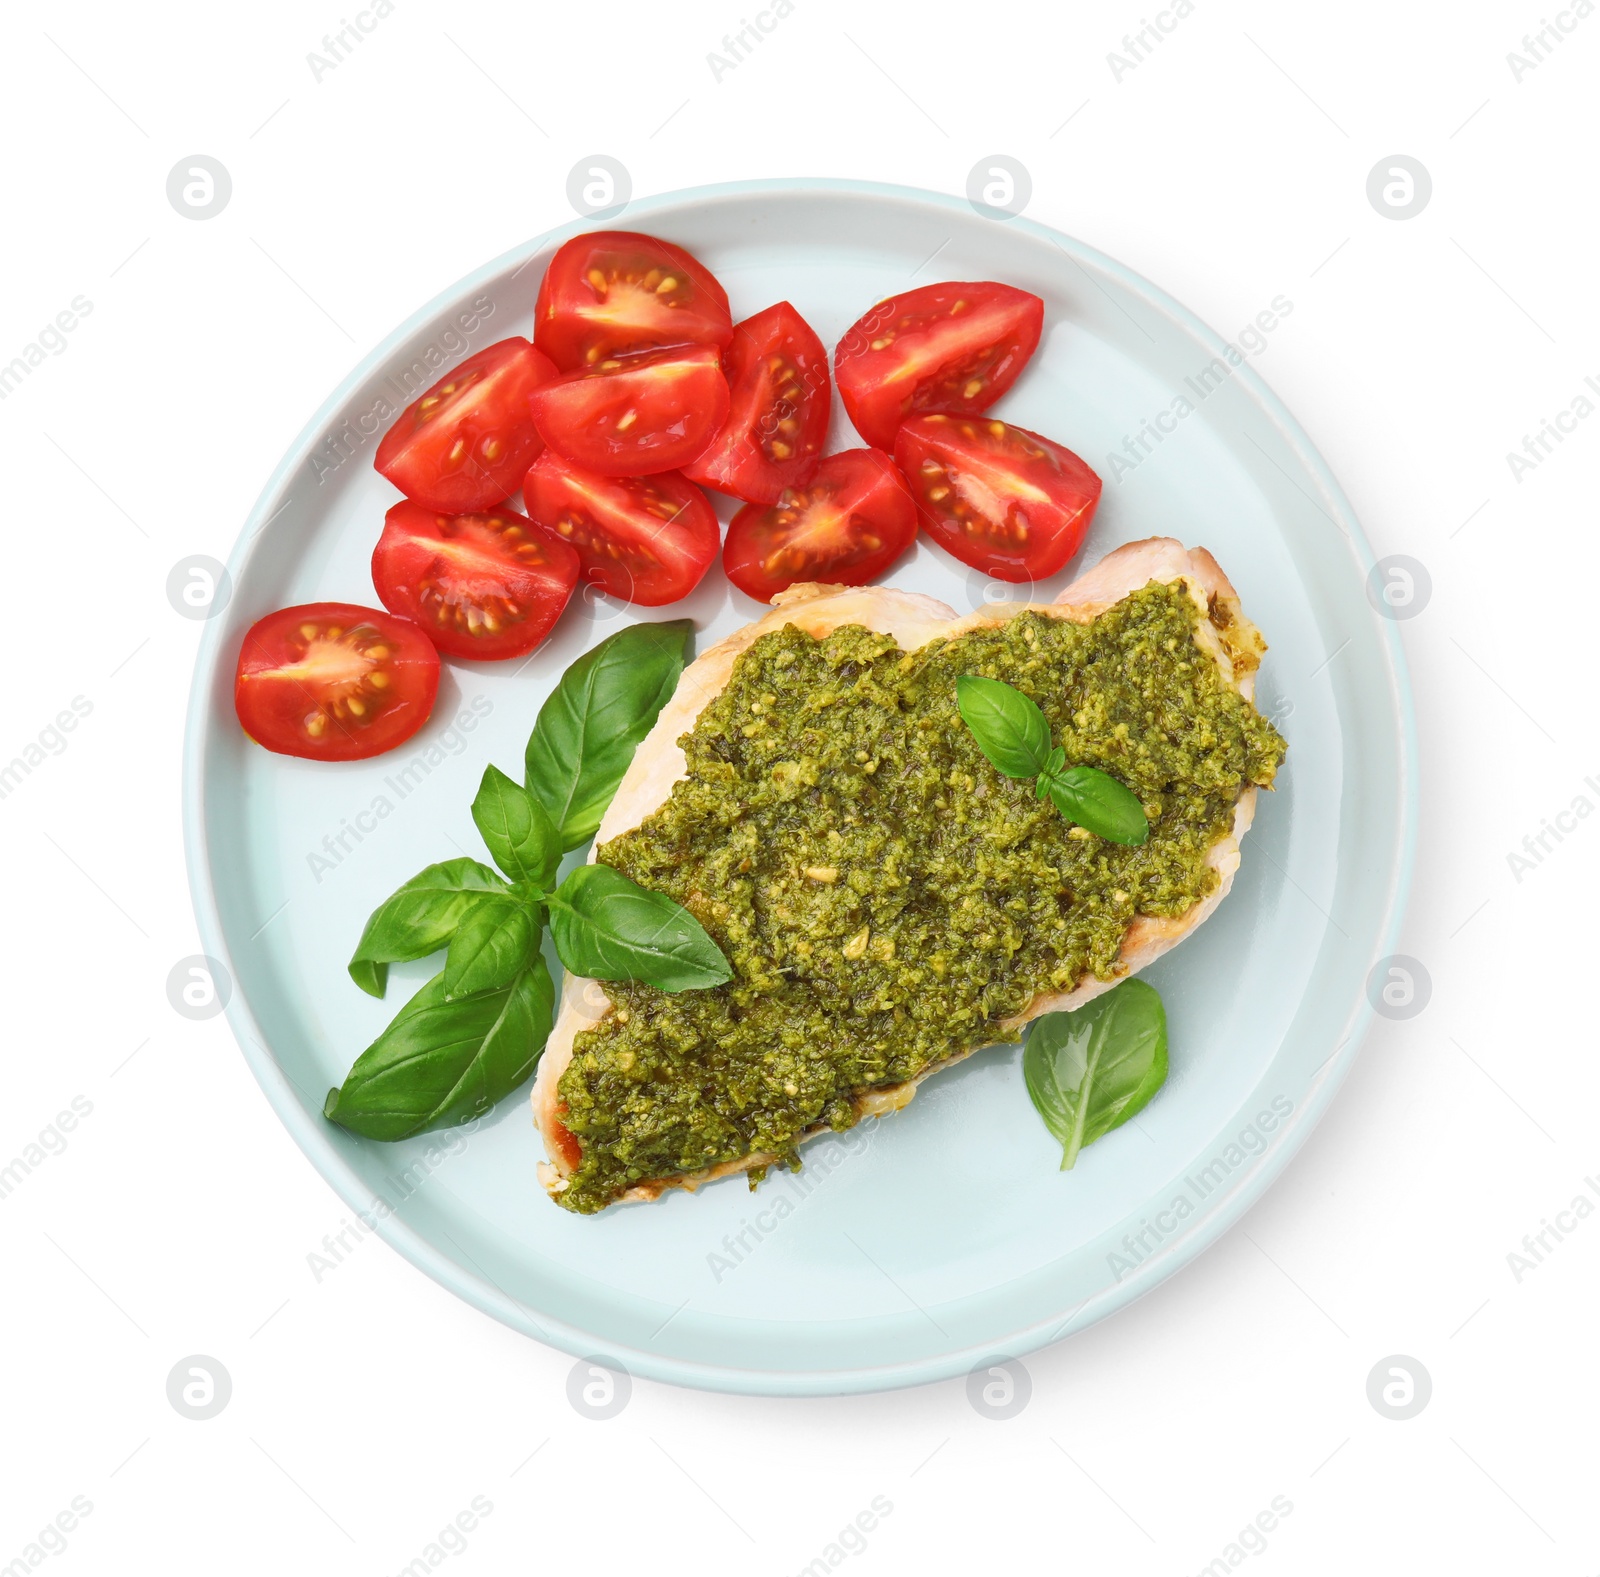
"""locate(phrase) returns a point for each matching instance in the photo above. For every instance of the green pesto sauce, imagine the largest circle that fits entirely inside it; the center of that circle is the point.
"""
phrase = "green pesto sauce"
(886, 897)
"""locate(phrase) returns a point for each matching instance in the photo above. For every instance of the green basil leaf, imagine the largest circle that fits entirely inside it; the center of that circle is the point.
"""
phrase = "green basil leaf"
(442, 1062)
(588, 730)
(419, 919)
(1089, 1071)
(491, 947)
(609, 928)
(1009, 728)
(1096, 800)
(517, 830)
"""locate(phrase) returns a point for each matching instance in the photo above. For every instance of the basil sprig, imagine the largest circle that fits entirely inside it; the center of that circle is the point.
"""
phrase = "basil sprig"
(1013, 733)
(1089, 1071)
(475, 1031)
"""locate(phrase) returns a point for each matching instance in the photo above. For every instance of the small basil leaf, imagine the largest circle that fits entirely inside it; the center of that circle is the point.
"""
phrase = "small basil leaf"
(588, 730)
(609, 928)
(517, 830)
(419, 919)
(1009, 728)
(1096, 800)
(1089, 1071)
(441, 1062)
(491, 947)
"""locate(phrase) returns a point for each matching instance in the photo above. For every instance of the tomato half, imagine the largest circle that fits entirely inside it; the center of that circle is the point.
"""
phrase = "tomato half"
(777, 374)
(846, 526)
(616, 291)
(633, 415)
(645, 539)
(952, 347)
(483, 585)
(466, 443)
(998, 497)
(333, 682)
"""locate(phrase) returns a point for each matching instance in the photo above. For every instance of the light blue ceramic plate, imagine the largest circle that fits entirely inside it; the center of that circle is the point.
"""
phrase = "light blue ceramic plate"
(911, 1249)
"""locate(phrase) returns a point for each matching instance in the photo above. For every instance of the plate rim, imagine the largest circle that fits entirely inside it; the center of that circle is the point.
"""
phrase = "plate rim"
(308, 1130)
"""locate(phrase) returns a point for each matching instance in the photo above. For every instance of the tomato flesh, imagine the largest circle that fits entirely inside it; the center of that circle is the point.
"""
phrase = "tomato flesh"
(955, 347)
(777, 372)
(330, 681)
(846, 526)
(465, 443)
(482, 585)
(616, 291)
(997, 497)
(634, 415)
(647, 540)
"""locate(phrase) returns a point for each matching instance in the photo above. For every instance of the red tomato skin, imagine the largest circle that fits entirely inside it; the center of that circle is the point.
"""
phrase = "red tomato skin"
(578, 322)
(746, 458)
(1037, 536)
(523, 581)
(645, 540)
(272, 711)
(635, 415)
(958, 333)
(767, 552)
(498, 437)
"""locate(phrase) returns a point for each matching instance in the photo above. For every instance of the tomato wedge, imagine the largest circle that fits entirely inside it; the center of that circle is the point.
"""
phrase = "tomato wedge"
(846, 526)
(465, 443)
(955, 347)
(646, 539)
(777, 372)
(333, 682)
(997, 497)
(633, 415)
(616, 291)
(483, 585)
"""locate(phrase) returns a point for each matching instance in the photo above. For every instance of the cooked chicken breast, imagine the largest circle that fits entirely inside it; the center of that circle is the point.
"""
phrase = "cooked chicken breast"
(1223, 632)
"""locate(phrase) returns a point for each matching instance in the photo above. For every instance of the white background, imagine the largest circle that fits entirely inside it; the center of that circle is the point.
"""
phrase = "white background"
(369, 1408)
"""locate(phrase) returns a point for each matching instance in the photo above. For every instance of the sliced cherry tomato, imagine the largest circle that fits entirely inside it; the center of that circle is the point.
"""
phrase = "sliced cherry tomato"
(466, 443)
(615, 291)
(334, 682)
(634, 415)
(998, 497)
(944, 347)
(777, 374)
(846, 526)
(482, 585)
(645, 539)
